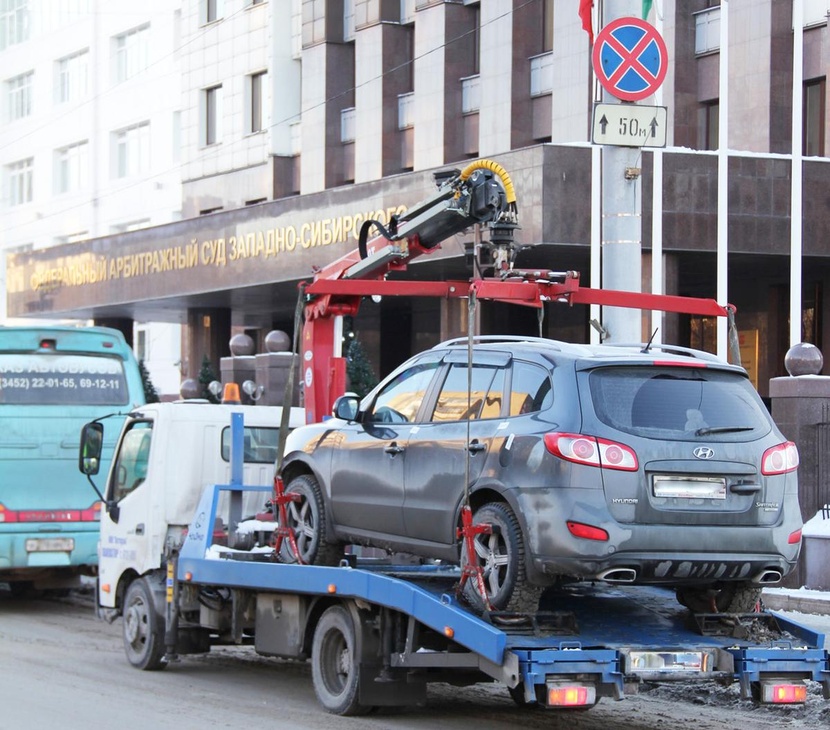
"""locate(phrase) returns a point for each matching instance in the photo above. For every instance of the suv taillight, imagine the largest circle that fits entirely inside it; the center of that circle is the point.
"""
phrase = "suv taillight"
(591, 451)
(780, 459)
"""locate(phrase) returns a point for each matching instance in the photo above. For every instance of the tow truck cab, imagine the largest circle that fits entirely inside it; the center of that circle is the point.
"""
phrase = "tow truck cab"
(166, 455)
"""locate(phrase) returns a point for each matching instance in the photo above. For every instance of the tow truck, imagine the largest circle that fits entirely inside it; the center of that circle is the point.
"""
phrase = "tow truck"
(378, 631)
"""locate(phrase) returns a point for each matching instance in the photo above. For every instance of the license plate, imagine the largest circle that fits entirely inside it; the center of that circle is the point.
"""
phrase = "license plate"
(689, 487)
(50, 544)
(685, 662)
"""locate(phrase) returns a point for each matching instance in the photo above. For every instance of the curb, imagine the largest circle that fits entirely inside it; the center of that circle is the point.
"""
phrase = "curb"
(802, 604)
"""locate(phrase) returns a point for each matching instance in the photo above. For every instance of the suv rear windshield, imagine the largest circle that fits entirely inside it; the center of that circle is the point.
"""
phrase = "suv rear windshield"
(678, 403)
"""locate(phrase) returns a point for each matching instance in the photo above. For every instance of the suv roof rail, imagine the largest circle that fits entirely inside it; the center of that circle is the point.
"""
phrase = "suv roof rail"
(503, 338)
(673, 349)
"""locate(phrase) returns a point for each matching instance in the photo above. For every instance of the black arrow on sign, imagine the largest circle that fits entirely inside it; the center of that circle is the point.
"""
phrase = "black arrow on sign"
(603, 123)
(653, 126)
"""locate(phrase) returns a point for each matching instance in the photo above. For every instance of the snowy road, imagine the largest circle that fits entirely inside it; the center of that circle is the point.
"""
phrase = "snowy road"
(61, 667)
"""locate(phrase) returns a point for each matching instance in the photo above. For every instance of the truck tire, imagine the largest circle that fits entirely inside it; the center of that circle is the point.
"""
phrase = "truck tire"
(502, 559)
(143, 630)
(334, 663)
(738, 597)
(307, 521)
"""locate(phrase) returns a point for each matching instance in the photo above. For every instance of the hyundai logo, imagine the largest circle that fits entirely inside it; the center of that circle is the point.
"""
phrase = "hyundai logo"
(704, 452)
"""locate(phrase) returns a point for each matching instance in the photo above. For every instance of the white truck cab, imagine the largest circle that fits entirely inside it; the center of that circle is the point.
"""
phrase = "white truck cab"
(167, 454)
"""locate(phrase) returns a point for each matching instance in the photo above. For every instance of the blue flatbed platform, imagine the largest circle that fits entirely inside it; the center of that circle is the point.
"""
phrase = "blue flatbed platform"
(603, 631)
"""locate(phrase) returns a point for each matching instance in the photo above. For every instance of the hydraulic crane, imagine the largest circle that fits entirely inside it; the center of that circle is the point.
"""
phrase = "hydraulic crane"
(481, 193)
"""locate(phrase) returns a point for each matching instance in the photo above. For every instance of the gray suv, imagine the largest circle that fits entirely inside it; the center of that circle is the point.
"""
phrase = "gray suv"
(633, 465)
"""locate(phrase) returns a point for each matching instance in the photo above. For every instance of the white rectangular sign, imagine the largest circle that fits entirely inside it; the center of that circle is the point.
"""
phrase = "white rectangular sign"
(629, 125)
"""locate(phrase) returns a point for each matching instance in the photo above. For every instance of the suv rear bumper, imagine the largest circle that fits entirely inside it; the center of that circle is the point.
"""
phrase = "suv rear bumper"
(670, 568)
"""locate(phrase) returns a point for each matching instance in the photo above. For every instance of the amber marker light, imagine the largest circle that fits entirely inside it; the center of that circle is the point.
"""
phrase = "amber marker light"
(188, 575)
(449, 632)
(106, 587)
(332, 588)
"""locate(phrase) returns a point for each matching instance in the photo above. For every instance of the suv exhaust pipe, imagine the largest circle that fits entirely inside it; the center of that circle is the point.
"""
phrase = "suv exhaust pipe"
(618, 575)
(768, 576)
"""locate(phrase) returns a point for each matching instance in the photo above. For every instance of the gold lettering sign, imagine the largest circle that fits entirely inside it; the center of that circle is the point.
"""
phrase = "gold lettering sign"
(267, 243)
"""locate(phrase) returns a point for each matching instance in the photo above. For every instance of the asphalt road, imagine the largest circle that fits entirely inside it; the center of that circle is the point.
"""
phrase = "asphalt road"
(62, 667)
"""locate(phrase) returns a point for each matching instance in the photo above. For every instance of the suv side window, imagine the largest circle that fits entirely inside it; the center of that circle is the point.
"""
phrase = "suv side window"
(531, 390)
(486, 394)
(401, 398)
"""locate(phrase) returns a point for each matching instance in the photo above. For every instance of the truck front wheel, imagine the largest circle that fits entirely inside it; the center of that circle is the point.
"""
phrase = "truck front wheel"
(334, 663)
(143, 630)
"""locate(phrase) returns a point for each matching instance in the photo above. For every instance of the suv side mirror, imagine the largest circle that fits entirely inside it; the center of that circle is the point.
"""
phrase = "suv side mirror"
(92, 444)
(346, 407)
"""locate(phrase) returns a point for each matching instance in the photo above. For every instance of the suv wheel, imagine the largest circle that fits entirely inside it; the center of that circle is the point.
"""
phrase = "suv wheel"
(738, 597)
(307, 522)
(501, 556)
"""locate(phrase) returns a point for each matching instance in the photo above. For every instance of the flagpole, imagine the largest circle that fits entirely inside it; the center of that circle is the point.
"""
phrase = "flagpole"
(795, 174)
(723, 179)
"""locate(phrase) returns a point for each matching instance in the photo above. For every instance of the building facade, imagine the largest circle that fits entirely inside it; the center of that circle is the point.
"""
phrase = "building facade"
(290, 121)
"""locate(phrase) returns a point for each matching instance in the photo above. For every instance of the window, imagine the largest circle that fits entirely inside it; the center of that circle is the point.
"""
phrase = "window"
(708, 125)
(257, 85)
(407, 11)
(813, 118)
(348, 20)
(212, 115)
(400, 400)
(814, 12)
(347, 125)
(406, 110)
(541, 75)
(707, 30)
(141, 343)
(131, 225)
(131, 150)
(657, 402)
(531, 390)
(14, 22)
(71, 168)
(213, 10)
(483, 400)
(133, 460)
(72, 77)
(132, 53)
(547, 26)
(20, 181)
(260, 444)
(19, 96)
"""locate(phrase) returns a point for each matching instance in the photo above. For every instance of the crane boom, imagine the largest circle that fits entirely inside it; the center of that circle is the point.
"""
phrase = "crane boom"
(481, 193)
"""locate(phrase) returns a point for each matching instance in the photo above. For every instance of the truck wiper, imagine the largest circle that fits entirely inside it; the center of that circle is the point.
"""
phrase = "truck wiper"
(721, 429)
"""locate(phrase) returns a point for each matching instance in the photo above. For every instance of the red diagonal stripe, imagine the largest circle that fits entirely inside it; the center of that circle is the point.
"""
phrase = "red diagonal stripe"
(630, 59)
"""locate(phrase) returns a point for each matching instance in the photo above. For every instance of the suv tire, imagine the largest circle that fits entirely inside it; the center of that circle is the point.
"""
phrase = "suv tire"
(502, 559)
(738, 597)
(307, 520)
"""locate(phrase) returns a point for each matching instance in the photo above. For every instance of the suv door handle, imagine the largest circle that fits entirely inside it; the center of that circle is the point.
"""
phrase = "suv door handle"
(475, 446)
(745, 488)
(139, 528)
(394, 449)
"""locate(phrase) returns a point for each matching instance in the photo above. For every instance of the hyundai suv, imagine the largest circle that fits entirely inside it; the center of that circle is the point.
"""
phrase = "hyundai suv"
(631, 465)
